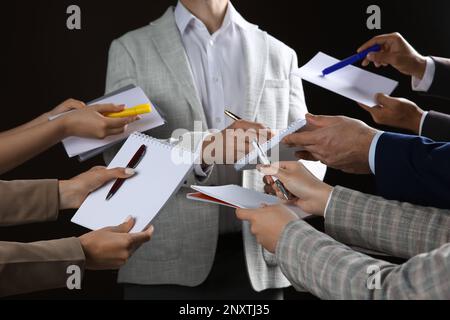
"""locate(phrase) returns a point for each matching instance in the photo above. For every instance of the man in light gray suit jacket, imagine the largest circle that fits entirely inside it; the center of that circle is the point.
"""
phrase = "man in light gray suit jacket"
(198, 59)
(331, 270)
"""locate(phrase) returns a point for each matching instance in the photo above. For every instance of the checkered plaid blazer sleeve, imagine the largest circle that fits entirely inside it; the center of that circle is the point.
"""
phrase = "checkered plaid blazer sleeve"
(331, 270)
(398, 229)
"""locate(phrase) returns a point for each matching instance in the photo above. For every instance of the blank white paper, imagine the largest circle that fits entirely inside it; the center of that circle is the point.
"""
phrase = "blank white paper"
(351, 82)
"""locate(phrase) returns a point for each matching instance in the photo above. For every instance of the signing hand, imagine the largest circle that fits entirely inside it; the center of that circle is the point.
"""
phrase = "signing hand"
(92, 123)
(311, 193)
(268, 223)
(72, 193)
(233, 143)
(110, 248)
(397, 113)
(398, 53)
(341, 143)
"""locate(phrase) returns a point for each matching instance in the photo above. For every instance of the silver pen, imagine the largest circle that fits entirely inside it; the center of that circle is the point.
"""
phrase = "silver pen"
(265, 161)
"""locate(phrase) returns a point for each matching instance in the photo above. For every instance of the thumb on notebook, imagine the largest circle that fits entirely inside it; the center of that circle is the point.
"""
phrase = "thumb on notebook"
(110, 248)
(119, 173)
(245, 214)
(125, 227)
(73, 192)
(99, 176)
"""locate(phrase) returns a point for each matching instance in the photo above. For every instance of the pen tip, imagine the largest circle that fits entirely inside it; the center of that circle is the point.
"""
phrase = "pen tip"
(109, 197)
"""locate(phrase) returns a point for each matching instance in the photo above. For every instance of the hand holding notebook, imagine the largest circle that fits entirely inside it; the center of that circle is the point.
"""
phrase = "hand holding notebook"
(159, 175)
(136, 102)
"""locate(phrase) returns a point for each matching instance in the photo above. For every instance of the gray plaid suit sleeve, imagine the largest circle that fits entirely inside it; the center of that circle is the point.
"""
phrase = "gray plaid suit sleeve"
(399, 229)
(314, 261)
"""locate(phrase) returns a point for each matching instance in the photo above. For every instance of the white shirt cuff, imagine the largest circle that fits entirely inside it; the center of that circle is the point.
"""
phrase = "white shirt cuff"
(424, 116)
(373, 150)
(200, 170)
(328, 204)
(425, 84)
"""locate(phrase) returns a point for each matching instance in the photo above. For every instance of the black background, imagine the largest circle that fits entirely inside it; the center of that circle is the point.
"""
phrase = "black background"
(43, 63)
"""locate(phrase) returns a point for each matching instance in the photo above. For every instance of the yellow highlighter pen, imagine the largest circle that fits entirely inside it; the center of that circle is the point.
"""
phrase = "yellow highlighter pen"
(131, 112)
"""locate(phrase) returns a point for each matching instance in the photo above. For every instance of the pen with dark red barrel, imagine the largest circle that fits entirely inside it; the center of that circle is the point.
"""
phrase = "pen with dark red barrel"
(134, 162)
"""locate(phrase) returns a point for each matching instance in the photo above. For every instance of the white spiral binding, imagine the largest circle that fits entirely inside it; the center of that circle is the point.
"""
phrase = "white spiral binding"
(150, 140)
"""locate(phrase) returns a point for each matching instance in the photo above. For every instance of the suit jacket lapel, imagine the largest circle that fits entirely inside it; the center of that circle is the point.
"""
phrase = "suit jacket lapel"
(168, 42)
(256, 51)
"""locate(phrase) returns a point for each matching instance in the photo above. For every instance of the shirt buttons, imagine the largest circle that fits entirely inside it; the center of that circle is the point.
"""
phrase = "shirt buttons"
(211, 43)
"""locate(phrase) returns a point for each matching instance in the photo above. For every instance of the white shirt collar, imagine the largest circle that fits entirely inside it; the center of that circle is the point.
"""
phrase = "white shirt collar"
(183, 18)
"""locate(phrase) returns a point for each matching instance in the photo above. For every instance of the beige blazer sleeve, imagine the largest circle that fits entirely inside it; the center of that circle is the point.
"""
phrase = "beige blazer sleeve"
(25, 202)
(37, 266)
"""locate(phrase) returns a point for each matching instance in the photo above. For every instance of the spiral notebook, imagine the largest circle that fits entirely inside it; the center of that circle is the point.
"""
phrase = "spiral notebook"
(274, 149)
(161, 173)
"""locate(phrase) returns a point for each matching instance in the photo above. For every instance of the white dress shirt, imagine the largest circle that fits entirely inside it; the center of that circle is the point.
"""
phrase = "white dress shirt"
(217, 63)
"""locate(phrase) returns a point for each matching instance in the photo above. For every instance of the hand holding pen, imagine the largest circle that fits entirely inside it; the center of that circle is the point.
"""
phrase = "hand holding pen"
(262, 156)
(134, 162)
(308, 192)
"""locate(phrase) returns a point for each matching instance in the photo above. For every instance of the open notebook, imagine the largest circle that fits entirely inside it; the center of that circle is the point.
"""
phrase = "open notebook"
(275, 150)
(234, 196)
(129, 96)
(161, 173)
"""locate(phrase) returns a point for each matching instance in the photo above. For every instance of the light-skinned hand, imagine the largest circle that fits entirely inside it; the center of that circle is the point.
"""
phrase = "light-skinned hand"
(396, 52)
(268, 223)
(68, 105)
(339, 142)
(311, 194)
(91, 122)
(233, 143)
(110, 248)
(72, 193)
(396, 112)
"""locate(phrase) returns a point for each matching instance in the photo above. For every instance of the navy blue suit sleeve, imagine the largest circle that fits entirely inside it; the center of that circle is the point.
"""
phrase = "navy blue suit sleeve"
(437, 127)
(413, 169)
(440, 85)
